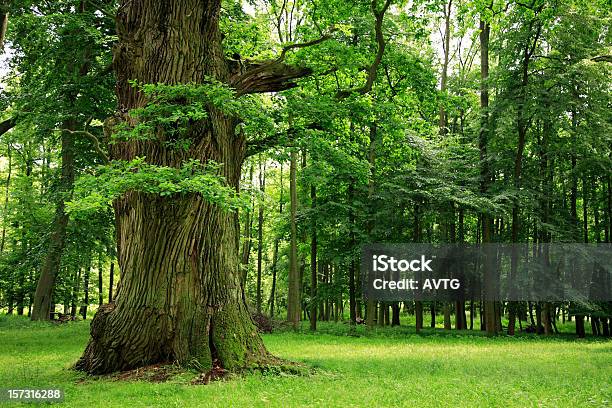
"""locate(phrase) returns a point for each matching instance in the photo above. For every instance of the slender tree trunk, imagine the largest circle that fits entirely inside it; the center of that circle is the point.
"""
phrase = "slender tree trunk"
(100, 289)
(293, 298)
(447, 316)
(275, 254)
(75, 292)
(7, 189)
(85, 304)
(4, 19)
(522, 124)
(485, 177)
(51, 263)
(395, 315)
(248, 229)
(418, 314)
(110, 282)
(418, 305)
(371, 303)
(313, 260)
(443, 120)
(260, 221)
(608, 233)
(432, 310)
(352, 265)
(585, 203)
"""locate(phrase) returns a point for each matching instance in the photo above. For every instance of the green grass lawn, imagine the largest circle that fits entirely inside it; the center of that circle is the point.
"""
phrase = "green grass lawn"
(387, 368)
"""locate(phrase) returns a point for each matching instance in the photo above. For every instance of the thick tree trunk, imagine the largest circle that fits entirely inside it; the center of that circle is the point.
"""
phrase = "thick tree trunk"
(180, 297)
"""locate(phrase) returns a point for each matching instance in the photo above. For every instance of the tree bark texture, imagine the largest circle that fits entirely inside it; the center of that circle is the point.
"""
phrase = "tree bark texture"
(180, 296)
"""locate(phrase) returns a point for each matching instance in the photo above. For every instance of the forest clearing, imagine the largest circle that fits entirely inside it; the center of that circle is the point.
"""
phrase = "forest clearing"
(389, 368)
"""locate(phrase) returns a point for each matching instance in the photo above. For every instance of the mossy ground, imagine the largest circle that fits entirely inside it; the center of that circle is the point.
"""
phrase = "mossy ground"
(391, 367)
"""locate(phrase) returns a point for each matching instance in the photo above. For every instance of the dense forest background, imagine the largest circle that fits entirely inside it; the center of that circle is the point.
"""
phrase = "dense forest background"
(422, 121)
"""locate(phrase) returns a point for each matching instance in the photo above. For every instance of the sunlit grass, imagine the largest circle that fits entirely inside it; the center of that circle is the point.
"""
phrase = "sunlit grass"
(387, 367)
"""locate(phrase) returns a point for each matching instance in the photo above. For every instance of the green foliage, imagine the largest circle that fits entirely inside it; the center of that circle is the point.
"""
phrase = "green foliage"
(96, 191)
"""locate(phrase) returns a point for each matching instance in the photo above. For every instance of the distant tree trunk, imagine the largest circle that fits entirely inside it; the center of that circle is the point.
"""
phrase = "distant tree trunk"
(110, 282)
(432, 309)
(573, 205)
(371, 303)
(4, 18)
(86, 290)
(472, 311)
(248, 229)
(485, 177)
(580, 326)
(585, 204)
(447, 316)
(443, 120)
(100, 289)
(313, 260)
(395, 316)
(460, 318)
(51, 263)
(418, 313)
(352, 266)
(293, 298)
(262, 189)
(418, 305)
(75, 292)
(522, 124)
(608, 233)
(9, 157)
(276, 243)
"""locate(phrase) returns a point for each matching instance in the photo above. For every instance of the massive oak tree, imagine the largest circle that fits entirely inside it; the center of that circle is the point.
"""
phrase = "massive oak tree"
(180, 296)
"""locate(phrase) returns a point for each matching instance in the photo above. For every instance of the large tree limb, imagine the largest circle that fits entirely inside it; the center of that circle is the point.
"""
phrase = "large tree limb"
(267, 76)
(272, 75)
(602, 58)
(7, 125)
(380, 41)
